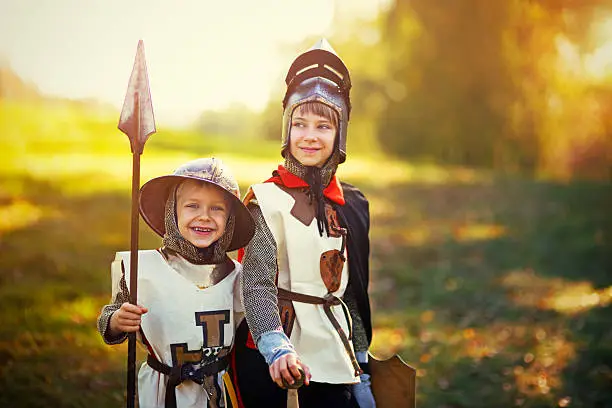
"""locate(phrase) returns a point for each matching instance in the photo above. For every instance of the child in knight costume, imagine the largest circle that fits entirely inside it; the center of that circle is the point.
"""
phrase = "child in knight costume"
(189, 302)
(305, 274)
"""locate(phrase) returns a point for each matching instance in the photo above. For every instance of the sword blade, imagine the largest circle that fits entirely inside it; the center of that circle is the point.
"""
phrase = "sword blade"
(292, 398)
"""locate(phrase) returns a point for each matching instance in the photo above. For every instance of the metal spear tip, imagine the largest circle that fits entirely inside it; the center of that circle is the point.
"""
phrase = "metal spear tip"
(137, 120)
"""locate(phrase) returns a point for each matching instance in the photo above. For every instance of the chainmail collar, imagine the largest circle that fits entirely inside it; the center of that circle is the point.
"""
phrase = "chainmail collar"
(317, 179)
(325, 173)
(173, 240)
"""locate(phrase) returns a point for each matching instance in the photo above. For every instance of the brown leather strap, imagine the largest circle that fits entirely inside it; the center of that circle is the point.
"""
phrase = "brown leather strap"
(328, 301)
(302, 298)
(174, 379)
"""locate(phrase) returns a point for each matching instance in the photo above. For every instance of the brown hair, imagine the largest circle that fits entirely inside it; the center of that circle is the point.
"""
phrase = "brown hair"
(202, 183)
(320, 109)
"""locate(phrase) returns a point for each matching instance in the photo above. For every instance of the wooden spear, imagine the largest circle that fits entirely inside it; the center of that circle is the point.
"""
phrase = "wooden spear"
(138, 123)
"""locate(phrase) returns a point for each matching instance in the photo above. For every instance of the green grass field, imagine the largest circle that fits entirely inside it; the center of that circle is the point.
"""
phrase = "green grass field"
(496, 289)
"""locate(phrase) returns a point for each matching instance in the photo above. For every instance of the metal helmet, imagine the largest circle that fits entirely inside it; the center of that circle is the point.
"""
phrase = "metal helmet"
(318, 75)
(154, 193)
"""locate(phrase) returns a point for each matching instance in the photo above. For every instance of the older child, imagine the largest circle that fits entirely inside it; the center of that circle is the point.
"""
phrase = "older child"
(306, 304)
(188, 294)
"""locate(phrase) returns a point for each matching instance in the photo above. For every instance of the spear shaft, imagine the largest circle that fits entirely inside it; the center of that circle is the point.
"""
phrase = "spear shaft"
(138, 123)
(134, 233)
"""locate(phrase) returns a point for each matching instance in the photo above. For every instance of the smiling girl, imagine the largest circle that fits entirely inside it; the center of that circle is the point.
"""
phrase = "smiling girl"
(305, 274)
(188, 294)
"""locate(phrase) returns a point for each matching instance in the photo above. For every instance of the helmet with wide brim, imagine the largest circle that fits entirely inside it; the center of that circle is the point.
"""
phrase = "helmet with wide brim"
(154, 194)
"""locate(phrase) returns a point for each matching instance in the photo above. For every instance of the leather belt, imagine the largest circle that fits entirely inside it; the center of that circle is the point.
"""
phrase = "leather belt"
(187, 371)
(328, 301)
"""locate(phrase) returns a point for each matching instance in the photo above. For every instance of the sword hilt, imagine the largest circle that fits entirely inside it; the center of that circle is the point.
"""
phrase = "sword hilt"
(298, 382)
(293, 400)
(292, 393)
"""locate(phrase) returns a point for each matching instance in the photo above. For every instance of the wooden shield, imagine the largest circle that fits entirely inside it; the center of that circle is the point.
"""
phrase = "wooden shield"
(393, 382)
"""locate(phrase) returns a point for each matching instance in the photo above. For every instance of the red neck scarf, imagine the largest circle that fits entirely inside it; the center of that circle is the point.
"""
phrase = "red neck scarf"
(333, 191)
(284, 178)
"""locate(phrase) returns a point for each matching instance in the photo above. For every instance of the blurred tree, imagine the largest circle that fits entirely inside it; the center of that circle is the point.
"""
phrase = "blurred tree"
(557, 105)
(450, 62)
(484, 83)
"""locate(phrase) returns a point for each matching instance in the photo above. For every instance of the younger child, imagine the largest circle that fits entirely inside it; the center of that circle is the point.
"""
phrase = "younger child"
(188, 291)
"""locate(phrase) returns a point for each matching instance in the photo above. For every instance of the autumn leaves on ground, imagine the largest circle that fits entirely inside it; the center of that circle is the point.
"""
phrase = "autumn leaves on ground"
(497, 289)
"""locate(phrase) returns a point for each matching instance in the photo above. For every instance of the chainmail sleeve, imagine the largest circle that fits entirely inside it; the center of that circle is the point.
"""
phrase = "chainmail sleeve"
(259, 267)
(360, 339)
(121, 297)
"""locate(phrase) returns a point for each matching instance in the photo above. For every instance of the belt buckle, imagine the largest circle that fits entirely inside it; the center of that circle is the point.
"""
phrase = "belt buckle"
(193, 372)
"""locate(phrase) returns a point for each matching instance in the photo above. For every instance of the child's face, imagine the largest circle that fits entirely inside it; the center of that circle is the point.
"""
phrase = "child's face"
(311, 138)
(201, 212)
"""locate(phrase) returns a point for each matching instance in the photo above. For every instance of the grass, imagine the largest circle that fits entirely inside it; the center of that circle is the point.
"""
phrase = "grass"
(497, 290)
(504, 298)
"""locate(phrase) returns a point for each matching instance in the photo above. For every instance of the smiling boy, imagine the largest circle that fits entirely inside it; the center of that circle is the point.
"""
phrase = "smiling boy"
(202, 212)
(188, 294)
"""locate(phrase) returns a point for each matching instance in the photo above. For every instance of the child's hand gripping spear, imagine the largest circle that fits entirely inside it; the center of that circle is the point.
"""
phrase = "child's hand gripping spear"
(138, 123)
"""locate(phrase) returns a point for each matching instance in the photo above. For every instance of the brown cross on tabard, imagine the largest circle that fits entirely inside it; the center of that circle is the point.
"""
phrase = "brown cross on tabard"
(304, 211)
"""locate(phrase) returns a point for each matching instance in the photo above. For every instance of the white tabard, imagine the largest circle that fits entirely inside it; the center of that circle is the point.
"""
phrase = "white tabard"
(299, 249)
(182, 321)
